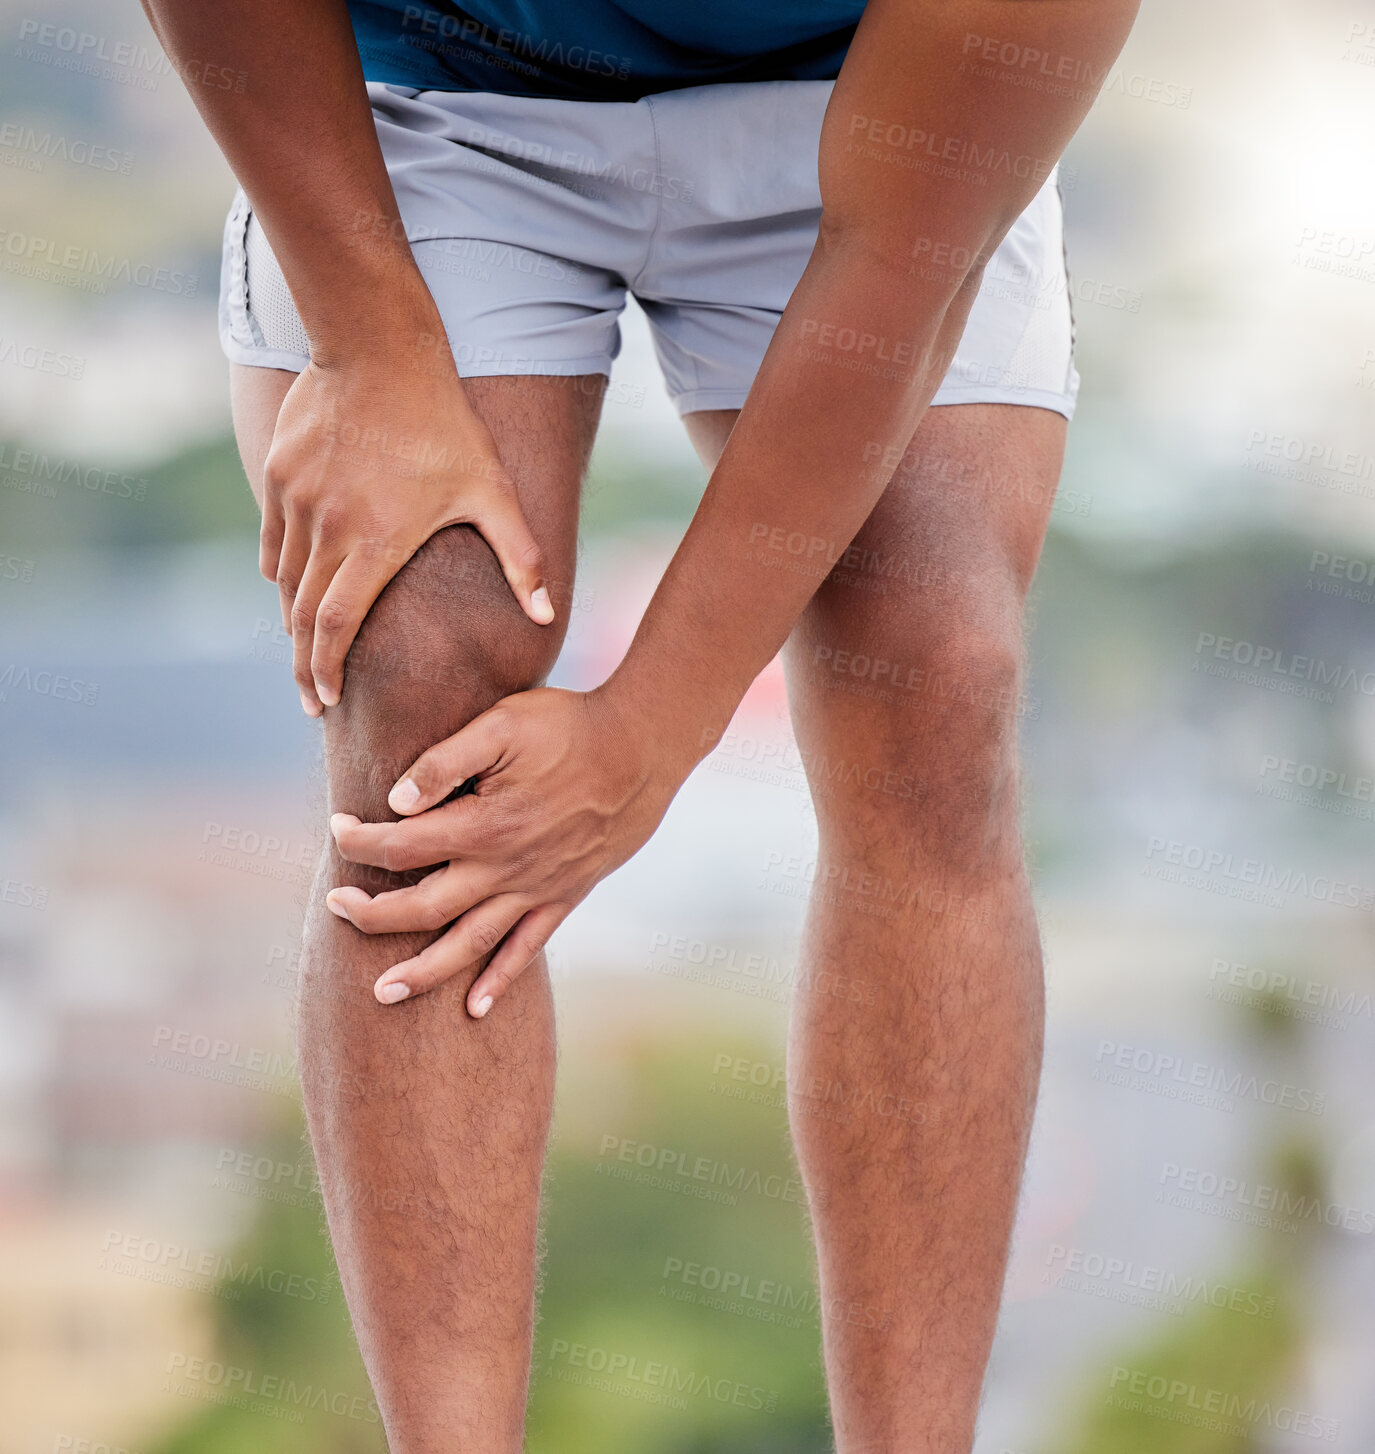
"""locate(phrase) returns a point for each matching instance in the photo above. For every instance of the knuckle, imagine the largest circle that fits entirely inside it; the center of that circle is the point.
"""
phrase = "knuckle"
(485, 937)
(302, 617)
(527, 556)
(331, 617)
(275, 475)
(330, 519)
(431, 914)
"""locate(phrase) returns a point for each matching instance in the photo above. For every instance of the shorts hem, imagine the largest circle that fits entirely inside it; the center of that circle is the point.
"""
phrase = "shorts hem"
(277, 358)
(536, 368)
(984, 394)
(263, 358)
(697, 400)
(702, 399)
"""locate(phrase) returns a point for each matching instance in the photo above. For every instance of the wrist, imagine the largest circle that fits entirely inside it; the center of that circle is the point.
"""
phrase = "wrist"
(383, 317)
(676, 727)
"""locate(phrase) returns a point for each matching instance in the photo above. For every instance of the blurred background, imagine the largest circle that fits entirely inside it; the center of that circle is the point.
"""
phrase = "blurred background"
(1194, 1267)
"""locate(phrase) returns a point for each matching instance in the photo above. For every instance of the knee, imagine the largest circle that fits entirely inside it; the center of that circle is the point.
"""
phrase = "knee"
(443, 641)
(934, 751)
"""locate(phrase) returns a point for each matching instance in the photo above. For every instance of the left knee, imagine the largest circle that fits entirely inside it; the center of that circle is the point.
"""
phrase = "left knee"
(932, 754)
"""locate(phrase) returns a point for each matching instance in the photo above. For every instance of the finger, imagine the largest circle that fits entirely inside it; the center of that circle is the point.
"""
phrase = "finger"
(503, 527)
(291, 567)
(436, 773)
(400, 847)
(270, 537)
(435, 901)
(356, 585)
(477, 933)
(518, 950)
(319, 573)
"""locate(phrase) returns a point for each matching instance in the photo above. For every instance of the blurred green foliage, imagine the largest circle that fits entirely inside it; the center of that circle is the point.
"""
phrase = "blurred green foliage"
(608, 1243)
(1219, 1381)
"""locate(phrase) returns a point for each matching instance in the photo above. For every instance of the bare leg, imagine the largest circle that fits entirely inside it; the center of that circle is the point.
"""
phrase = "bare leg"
(915, 1043)
(429, 1127)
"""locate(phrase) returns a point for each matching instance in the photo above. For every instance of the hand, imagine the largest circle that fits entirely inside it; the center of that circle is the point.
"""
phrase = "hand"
(369, 459)
(567, 788)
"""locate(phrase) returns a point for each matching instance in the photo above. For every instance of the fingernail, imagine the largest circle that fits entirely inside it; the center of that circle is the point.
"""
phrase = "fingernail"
(311, 709)
(543, 607)
(404, 796)
(389, 994)
(482, 1006)
(333, 907)
(327, 694)
(339, 822)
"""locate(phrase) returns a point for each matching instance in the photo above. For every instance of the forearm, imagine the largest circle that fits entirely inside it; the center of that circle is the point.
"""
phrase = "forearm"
(919, 184)
(809, 456)
(301, 141)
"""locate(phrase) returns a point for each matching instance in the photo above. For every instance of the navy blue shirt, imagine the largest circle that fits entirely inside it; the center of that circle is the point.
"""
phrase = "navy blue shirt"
(599, 50)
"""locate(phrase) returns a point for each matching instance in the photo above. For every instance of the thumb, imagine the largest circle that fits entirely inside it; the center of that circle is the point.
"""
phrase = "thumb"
(503, 527)
(436, 773)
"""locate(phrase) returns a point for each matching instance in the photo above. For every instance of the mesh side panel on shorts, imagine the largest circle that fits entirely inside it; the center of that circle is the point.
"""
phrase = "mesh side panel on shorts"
(269, 298)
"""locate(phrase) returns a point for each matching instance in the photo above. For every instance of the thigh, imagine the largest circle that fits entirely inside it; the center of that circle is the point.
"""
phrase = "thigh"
(543, 427)
(446, 638)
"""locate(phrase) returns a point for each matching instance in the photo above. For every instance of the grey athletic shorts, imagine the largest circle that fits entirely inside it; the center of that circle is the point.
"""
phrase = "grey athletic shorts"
(531, 219)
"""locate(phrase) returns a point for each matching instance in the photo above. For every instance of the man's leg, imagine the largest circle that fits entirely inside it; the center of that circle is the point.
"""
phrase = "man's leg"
(429, 1128)
(919, 1004)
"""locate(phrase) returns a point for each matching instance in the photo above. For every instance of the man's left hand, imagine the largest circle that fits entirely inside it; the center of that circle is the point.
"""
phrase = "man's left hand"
(567, 788)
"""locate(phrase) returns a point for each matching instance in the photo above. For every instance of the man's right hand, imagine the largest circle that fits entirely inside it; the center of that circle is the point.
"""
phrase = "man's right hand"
(368, 460)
